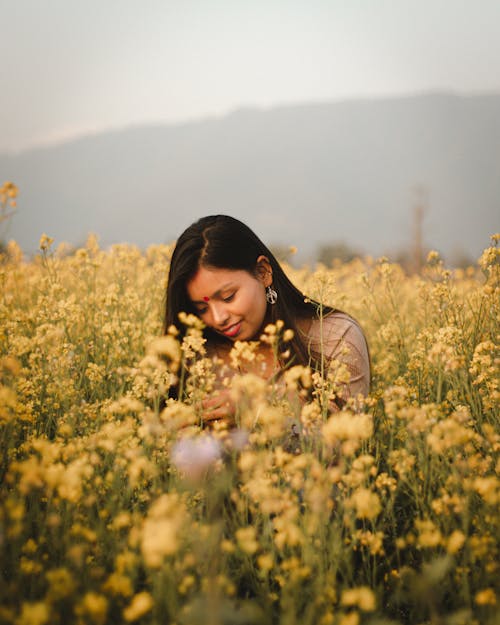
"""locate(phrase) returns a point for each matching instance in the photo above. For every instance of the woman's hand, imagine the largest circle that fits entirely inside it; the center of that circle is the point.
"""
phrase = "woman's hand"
(219, 407)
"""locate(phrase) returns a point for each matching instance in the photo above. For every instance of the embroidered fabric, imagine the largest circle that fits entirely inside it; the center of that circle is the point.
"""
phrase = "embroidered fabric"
(337, 339)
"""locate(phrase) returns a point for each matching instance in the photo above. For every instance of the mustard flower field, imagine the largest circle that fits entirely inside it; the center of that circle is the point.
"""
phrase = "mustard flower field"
(116, 507)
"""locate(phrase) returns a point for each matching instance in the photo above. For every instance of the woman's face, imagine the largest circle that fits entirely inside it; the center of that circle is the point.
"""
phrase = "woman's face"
(232, 302)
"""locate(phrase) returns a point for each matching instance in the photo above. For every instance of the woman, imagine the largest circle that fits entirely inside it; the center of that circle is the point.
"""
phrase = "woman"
(223, 273)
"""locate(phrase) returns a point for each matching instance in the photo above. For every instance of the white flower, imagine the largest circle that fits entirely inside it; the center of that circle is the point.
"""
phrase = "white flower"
(239, 439)
(193, 456)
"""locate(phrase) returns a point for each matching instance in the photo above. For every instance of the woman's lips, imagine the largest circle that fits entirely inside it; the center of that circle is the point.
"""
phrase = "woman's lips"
(232, 330)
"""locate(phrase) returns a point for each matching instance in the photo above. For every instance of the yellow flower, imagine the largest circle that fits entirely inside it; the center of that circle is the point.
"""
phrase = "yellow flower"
(45, 242)
(169, 347)
(29, 546)
(310, 415)
(33, 614)
(432, 257)
(159, 539)
(243, 351)
(327, 619)
(352, 618)
(29, 567)
(186, 584)
(118, 584)
(345, 426)
(489, 258)
(246, 539)
(161, 529)
(361, 597)
(141, 604)
(265, 562)
(374, 541)
(385, 481)
(8, 194)
(227, 546)
(428, 534)
(488, 488)
(10, 364)
(366, 503)
(455, 542)
(247, 461)
(485, 597)
(288, 335)
(296, 374)
(61, 584)
(93, 606)
(447, 434)
(191, 321)
(287, 532)
(401, 461)
(125, 560)
(178, 415)
(121, 520)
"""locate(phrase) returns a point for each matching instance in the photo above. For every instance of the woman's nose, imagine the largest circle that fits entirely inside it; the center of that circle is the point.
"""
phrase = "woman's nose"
(219, 314)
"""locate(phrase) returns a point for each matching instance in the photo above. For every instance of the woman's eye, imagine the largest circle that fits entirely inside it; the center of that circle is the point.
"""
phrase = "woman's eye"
(229, 298)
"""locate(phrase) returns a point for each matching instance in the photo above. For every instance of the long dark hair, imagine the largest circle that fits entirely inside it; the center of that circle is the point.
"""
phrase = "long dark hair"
(224, 242)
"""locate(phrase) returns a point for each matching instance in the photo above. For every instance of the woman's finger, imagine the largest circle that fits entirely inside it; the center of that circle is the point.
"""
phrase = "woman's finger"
(215, 415)
(217, 400)
(218, 407)
(212, 402)
(222, 413)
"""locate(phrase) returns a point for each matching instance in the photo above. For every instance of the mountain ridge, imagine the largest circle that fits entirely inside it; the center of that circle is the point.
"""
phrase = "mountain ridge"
(298, 174)
(164, 124)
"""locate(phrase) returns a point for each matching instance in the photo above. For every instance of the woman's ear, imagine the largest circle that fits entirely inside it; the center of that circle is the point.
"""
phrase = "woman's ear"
(264, 270)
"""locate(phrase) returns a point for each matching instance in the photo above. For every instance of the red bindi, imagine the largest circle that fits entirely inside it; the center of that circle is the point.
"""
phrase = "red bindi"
(205, 299)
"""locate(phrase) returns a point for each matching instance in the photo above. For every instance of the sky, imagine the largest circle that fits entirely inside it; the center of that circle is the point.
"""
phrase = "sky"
(72, 67)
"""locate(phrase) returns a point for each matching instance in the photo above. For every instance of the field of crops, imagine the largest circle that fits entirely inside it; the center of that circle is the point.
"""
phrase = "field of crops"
(115, 507)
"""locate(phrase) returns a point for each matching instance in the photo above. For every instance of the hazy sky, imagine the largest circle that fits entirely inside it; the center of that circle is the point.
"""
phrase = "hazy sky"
(72, 66)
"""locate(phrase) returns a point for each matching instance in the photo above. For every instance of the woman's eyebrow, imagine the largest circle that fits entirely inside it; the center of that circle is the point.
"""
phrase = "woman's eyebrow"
(217, 293)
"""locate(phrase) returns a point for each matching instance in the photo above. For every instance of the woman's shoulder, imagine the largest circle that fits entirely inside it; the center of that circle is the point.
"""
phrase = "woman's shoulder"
(333, 327)
(334, 334)
(338, 338)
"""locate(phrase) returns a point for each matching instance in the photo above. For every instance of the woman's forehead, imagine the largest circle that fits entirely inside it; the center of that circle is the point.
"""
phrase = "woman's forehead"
(207, 281)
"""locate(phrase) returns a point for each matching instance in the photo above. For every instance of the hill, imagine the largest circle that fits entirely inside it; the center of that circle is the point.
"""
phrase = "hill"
(302, 175)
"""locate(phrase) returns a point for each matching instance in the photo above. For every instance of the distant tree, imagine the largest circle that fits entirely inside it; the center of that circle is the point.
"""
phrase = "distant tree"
(460, 259)
(329, 252)
(403, 257)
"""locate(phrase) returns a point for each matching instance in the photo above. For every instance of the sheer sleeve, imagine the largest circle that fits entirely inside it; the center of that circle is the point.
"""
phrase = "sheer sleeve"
(338, 340)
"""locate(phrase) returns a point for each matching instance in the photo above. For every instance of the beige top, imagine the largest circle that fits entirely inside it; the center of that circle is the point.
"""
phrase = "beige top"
(336, 336)
(340, 340)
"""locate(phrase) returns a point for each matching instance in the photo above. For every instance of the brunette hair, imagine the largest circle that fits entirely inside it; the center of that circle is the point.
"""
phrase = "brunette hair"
(224, 242)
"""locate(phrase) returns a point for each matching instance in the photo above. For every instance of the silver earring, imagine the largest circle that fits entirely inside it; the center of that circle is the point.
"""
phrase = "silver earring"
(271, 295)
